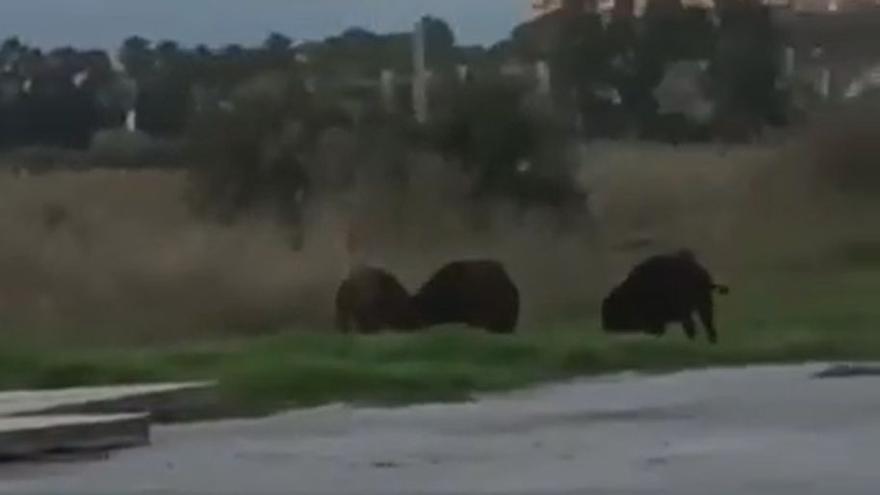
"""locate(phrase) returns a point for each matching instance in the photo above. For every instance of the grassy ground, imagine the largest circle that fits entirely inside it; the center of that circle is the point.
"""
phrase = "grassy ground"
(131, 267)
(794, 317)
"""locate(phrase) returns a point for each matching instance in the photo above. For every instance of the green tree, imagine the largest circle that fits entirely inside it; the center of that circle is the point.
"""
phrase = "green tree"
(168, 49)
(277, 43)
(137, 57)
(234, 50)
(11, 49)
(251, 153)
(510, 150)
(581, 55)
(439, 43)
(745, 68)
(203, 51)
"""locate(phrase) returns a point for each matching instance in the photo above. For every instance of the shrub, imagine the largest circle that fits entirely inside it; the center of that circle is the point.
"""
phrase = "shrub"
(249, 151)
(119, 148)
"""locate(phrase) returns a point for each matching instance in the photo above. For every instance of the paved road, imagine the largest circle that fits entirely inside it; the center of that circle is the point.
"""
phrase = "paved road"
(739, 432)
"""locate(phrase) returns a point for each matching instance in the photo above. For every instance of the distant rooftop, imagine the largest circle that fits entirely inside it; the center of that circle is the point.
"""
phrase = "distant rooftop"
(543, 7)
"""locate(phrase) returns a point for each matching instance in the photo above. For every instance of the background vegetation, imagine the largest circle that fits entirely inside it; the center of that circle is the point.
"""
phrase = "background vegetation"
(209, 243)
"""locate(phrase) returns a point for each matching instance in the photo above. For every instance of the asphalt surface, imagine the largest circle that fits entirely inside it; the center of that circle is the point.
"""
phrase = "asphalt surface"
(755, 431)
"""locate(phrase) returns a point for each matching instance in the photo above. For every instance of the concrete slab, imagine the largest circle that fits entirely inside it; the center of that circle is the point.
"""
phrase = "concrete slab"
(25, 437)
(39, 422)
(165, 401)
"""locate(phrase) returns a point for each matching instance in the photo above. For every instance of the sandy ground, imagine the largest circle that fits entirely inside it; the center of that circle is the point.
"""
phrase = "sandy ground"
(754, 431)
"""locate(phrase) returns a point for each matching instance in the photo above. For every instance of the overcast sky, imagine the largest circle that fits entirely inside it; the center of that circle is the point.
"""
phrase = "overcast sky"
(105, 23)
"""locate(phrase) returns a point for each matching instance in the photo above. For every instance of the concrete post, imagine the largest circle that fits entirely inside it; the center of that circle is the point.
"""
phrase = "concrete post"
(542, 72)
(311, 84)
(788, 63)
(388, 85)
(131, 120)
(420, 79)
(463, 71)
(127, 91)
(824, 84)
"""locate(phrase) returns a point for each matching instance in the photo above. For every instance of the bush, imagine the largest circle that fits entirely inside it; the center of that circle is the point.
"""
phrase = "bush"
(119, 148)
(513, 149)
(844, 148)
(249, 152)
(42, 159)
